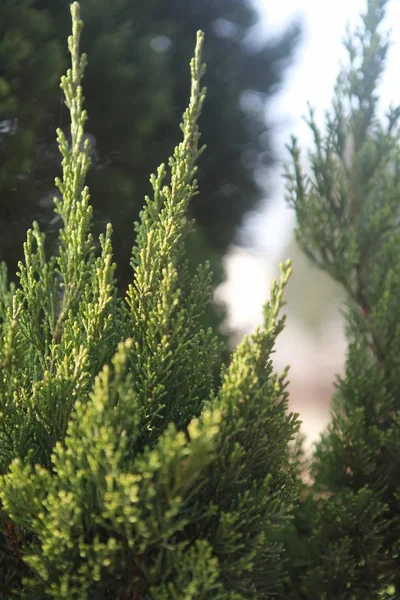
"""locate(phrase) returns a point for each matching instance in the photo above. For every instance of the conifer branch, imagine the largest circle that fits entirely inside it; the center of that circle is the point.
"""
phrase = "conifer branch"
(348, 224)
(123, 472)
(341, 222)
(74, 209)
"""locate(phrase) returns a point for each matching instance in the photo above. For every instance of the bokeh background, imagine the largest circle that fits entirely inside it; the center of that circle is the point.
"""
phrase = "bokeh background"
(313, 343)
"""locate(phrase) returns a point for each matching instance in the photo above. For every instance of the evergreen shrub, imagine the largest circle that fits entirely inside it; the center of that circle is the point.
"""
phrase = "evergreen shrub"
(125, 473)
(345, 542)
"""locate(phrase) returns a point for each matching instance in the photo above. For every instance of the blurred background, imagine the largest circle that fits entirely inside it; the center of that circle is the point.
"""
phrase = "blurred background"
(265, 60)
(313, 343)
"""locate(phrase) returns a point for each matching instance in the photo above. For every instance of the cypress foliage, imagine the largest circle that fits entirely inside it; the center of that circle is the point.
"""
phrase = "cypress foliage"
(348, 526)
(135, 93)
(124, 473)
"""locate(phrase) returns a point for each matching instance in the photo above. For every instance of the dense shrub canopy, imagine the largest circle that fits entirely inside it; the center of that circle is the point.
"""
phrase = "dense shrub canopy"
(348, 224)
(125, 473)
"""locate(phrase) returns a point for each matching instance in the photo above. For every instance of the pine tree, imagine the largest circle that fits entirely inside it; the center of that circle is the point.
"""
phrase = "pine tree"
(348, 526)
(124, 473)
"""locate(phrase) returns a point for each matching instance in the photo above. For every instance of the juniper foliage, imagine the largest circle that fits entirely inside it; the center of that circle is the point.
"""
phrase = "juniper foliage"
(348, 224)
(135, 92)
(124, 473)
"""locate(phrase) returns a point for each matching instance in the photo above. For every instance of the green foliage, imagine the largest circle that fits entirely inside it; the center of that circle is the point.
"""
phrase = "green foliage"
(136, 90)
(348, 224)
(125, 473)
